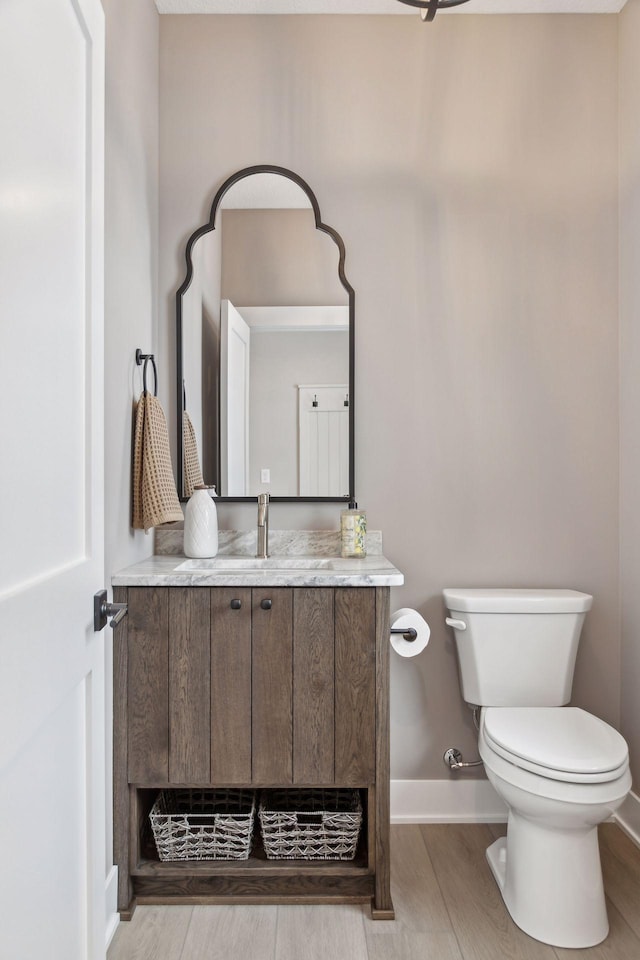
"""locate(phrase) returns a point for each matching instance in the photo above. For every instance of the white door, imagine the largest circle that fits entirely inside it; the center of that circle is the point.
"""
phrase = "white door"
(52, 715)
(235, 342)
(323, 425)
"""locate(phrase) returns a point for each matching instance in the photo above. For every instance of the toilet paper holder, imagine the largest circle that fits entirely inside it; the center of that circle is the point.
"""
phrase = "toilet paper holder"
(409, 633)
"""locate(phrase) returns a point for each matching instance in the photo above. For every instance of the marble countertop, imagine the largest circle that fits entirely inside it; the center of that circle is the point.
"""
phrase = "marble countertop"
(226, 570)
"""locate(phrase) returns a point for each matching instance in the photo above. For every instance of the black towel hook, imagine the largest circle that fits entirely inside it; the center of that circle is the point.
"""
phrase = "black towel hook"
(140, 356)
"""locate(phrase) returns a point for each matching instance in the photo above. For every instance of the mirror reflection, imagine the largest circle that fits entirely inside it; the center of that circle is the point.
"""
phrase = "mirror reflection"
(264, 348)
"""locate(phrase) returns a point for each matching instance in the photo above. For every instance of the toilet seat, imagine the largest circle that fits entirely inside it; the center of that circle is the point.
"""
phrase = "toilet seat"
(560, 743)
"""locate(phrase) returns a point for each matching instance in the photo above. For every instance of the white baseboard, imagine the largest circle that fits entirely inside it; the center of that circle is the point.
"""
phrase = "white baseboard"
(628, 817)
(111, 900)
(474, 801)
(445, 801)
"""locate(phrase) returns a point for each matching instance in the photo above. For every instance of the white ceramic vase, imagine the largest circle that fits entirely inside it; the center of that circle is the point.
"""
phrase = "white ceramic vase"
(201, 524)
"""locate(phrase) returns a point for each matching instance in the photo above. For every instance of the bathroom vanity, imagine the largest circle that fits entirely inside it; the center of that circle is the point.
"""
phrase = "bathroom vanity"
(258, 673)
(245, 673)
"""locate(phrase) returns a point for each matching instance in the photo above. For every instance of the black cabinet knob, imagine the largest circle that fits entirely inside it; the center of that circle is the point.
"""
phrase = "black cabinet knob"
(265, 604)
(236, 604)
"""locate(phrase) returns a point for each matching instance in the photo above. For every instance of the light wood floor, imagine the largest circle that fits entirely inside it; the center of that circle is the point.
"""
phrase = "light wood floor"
(447, 908)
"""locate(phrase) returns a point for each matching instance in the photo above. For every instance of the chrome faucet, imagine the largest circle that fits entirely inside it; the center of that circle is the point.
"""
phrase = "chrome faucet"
(263, 526)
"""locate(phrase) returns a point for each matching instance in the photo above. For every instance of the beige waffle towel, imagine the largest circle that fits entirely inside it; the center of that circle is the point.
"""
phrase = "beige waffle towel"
(192, 471)
(155, 500)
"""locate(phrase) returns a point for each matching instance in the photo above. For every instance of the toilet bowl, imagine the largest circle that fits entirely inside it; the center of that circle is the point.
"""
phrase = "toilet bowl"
(548, 867)
(560, 770)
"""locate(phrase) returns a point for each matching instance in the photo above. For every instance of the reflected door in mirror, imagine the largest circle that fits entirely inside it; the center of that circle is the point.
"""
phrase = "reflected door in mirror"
(324, 440)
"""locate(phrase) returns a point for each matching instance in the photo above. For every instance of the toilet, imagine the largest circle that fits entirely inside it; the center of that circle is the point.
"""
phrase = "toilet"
(560, 770)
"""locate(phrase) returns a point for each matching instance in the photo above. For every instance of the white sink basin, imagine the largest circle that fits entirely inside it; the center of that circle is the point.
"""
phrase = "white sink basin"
(256, 565)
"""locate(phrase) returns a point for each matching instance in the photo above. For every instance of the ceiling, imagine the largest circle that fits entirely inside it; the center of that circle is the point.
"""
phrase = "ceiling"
(385, 6)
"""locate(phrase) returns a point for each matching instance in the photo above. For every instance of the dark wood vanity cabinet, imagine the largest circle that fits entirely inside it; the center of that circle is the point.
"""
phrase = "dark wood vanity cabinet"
(253, 687)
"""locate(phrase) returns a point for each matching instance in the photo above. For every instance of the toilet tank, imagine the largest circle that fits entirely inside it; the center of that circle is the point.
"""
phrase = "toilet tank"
(516, 648)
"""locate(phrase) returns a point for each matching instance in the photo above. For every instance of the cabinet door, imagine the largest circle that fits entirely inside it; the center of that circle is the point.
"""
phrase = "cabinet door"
(168, 685)
(231, 685)
(272, 685)
(355, 690)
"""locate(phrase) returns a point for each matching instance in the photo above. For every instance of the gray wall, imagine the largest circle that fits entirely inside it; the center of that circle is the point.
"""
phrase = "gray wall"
(630, 373)
(471, 168)
(131, 250)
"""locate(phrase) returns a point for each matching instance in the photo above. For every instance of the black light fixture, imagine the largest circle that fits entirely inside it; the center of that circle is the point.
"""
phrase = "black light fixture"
(429, 8)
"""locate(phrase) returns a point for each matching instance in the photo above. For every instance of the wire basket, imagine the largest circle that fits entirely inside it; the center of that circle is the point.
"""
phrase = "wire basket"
(194, 824)
(311, 824)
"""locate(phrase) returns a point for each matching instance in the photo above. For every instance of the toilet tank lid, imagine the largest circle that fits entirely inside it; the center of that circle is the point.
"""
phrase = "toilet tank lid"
(504, 600)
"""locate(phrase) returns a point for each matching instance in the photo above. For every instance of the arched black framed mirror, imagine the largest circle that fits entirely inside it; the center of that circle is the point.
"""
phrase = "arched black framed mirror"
(265, 347)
